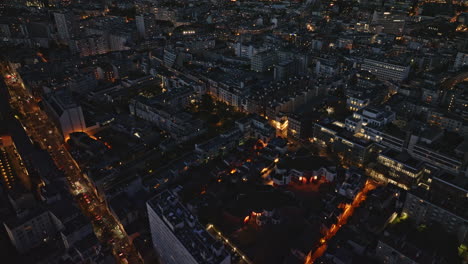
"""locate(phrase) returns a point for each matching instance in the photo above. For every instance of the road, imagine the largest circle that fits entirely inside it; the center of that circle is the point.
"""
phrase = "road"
(348, 210)
(451, 82)
(42, 130)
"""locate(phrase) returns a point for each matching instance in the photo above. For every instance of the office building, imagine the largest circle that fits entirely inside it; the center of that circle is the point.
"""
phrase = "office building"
(385, 70)
(425, 208)
(400, 168)
(146, 25)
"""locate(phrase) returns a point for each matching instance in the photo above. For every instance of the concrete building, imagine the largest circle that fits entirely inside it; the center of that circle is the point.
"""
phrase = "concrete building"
(390, 254)
(369, 122)
(31, 230)
(421, 207)
(389, 22)
(461, 60)
(146, 25)
(108, 72)
(177, 235)
(62, 23)
(247, 50)
(351, 186)
(447, 121)
(65, 111)
(261, 62)
(165, 14)
(256, 127)
(385, 70)
(429, 146)
(90, 45)
(352, 150)
(400, 168)
(180, 125)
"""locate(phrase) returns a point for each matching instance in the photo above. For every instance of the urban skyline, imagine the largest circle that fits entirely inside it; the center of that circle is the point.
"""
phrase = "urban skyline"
(234, 131)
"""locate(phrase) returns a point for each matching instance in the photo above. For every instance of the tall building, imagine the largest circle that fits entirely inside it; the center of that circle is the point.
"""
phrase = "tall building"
(63, 26)
(146, 25)
(177, 235)
(66, 113)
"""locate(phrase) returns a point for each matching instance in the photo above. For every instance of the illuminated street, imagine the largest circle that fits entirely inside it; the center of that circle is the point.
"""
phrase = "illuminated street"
(348, 210)
(234, 131)
(42, 130)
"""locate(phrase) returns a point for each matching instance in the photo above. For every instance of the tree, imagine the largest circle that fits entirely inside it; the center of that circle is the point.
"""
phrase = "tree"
(207, 103)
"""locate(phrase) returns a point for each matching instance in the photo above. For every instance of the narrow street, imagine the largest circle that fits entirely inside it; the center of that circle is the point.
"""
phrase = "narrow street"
(43, 131)
(348, 210)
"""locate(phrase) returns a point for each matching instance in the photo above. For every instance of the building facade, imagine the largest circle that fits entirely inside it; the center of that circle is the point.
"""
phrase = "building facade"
(178, 237)
(385, 70)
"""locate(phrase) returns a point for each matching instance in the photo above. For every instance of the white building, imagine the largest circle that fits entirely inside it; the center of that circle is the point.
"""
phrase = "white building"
(65, 112)
(351, 186)
(356, 102)
(385, 70)
(368, 123)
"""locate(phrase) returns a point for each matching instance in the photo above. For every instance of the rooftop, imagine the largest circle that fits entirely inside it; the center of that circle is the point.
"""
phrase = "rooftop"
(203, 247)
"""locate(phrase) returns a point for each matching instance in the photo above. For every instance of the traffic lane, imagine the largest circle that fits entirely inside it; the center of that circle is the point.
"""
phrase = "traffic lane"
(36, 157)
(38, 122)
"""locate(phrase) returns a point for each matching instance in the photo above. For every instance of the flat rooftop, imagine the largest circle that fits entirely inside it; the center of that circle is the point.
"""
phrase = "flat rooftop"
(203, 247)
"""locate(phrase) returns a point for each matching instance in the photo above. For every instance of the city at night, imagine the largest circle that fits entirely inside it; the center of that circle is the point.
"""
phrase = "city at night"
(234, 131)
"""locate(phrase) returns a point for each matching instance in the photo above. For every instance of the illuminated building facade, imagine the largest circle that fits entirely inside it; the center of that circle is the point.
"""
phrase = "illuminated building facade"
(66, 113)
(400, 167)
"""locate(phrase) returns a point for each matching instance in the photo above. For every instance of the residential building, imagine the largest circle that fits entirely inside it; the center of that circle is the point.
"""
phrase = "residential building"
(31, 230)
(180, 125)
(177, 235)
(428, 145)
(262, 62)
(369, 122)
(424, 208)
(146, 25)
